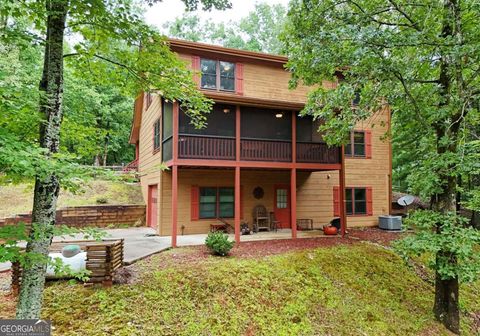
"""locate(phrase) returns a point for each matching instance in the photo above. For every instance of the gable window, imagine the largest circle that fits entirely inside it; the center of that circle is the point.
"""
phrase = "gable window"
(356, 146)
(356, 201)
(156, 135)
(216, 202)
(217, 75)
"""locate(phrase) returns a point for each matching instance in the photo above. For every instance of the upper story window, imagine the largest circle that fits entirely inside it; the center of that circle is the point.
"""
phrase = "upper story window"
(217, 75)
(356, 146)
(156, 135)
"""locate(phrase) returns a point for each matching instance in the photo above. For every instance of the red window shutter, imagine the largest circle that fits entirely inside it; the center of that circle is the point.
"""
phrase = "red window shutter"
(196, 68)
(195, 203)
(239, 78)
(369, 201)
(368, 144)
(336, 201)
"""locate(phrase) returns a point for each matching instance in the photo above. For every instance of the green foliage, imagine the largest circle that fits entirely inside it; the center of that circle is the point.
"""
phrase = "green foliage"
(345, 290)
(218, 243)
(258, 31)
(457, 242)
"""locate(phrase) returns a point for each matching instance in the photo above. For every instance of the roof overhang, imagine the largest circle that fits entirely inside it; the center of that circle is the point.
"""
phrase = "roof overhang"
(137, 119)
(227, 54)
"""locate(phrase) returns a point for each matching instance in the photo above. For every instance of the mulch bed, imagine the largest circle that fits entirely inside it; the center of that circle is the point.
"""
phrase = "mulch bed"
(256, 249)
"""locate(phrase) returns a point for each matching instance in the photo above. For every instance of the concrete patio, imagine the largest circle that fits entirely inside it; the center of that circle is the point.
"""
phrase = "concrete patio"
(141, 242)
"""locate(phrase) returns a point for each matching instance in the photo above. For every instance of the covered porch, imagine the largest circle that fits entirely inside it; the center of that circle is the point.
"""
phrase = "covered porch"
(299, 201)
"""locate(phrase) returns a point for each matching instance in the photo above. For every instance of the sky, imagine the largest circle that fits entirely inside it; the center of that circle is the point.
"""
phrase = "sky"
(167, 10)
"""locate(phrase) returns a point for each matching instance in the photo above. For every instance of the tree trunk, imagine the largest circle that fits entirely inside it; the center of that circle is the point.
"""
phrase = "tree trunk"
(46, 188)
(446, 308)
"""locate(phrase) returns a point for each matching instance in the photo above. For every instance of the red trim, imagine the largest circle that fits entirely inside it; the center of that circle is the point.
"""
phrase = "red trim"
(342, 203)
(239, 78)
(195, 203)
(175, 131)
(196, 69)
(368, 144)
(294, 137)
(254, 164)
(293, 201)
(237, 203)
(174, 205)
(237, 133)
(336, 201)
(369, 201)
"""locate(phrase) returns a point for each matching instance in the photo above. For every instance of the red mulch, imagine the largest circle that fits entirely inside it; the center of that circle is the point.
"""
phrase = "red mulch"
(375, 235)
(255, 249)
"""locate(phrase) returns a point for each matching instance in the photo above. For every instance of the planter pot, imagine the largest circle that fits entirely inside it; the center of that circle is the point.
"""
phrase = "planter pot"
(330, 230)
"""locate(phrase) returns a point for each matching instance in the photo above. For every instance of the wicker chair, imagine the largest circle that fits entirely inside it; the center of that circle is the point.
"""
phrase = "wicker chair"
(261, 218)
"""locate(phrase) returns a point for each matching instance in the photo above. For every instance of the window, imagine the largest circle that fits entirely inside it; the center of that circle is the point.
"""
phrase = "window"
(356, 201)
(356, 146)
(216, 202)
(156, 135)
(217, 75)
(282, 198)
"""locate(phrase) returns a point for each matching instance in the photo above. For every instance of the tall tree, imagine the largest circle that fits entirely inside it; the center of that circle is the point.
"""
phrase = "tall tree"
(423, 57)
(96, 23)
(258, 31)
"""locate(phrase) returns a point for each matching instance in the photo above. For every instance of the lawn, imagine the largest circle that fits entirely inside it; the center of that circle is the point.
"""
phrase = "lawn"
(358, 288)
(113, 192)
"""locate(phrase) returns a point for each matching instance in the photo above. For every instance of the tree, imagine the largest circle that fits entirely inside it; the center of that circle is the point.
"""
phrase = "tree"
(258, 31)
(97, 25)
(423, 58)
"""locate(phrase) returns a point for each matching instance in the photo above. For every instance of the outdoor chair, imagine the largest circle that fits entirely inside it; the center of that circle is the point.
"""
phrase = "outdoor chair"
(261, 218)
(273, 221)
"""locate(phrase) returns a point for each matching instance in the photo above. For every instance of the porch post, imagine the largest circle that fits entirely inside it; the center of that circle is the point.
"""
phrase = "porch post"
(237, 204)
(293, 201)
(341, 173)
(174, 204)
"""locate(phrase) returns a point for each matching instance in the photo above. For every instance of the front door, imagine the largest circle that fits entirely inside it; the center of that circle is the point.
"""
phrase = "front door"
(152, 207)
(281, 206)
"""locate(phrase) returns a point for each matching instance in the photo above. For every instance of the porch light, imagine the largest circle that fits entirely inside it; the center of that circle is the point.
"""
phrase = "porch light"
(279, 115)
(226, 110)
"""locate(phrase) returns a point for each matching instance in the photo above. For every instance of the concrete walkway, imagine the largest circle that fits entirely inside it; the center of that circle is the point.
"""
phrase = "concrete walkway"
(138, 243)
(142, 242)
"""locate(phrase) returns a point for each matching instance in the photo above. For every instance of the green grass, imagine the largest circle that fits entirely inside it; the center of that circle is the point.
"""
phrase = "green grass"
(16, 199)
(345, 290)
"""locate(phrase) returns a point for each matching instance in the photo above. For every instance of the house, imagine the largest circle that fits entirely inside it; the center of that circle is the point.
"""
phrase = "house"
(256, 150)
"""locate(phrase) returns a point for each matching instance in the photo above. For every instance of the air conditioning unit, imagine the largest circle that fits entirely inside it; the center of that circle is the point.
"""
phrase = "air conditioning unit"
(390, 222)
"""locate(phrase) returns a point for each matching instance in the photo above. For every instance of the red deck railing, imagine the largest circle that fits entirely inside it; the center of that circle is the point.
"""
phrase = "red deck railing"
(132, 166)
(223, 148)
(265, 150)
(206, 147)
(317, 153)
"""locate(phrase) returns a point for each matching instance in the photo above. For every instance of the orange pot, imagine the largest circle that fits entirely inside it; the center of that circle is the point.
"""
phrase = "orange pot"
(330, 230)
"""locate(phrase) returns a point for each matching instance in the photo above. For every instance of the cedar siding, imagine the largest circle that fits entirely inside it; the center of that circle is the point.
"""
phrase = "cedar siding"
(264, 85)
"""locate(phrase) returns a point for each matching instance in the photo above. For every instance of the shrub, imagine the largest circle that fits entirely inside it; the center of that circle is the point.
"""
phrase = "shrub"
(102, 200)
(218, 243)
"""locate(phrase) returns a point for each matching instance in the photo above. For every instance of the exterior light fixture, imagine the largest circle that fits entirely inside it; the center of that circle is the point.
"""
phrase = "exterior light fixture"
(226, 110)
(279, 115)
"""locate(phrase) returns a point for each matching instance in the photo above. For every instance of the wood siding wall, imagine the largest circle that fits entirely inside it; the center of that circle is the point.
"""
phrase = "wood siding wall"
(149, 163)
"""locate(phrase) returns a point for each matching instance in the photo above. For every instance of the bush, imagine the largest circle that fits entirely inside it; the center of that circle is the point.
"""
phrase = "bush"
(218, 243)
(102, 200)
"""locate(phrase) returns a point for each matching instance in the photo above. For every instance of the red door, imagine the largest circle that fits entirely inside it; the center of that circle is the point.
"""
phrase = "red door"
(281, 206)
(152, 206)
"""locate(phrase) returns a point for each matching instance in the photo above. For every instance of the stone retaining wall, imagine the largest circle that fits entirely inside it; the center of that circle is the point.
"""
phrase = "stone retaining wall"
(91, 216)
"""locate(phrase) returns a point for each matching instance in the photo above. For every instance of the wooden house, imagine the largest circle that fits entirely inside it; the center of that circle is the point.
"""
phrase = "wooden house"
(256, 150)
